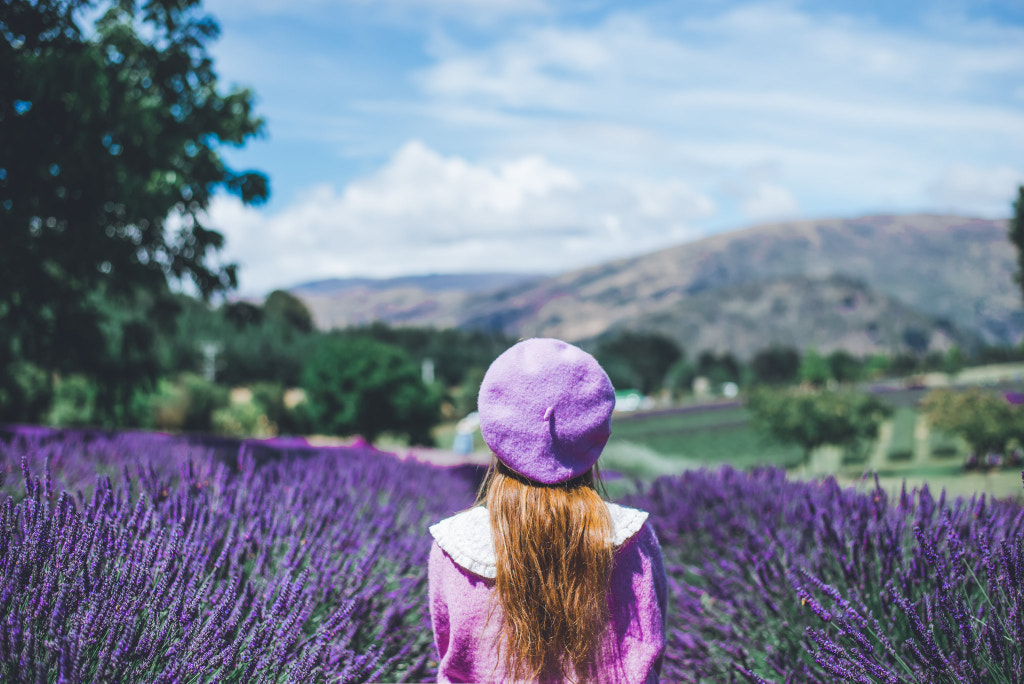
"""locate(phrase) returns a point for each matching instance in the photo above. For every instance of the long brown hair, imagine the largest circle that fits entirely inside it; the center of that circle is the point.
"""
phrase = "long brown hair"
(554, 559)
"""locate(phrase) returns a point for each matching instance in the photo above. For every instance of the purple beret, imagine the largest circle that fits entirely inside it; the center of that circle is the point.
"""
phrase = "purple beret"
(546, 409)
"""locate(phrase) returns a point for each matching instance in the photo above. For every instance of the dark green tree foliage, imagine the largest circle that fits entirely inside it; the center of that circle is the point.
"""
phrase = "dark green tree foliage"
(252, 346)
(680, 376)
(242, 315)
(108, 156)
(813, 419)
(844, 366)
(1016, 234)
(356, 385)
(776, 365)
(637, 359)
(718, 369)
(904, 364)
(454, 352)
(268, 352)
(814, 368)
(999, 355)
(289, 310)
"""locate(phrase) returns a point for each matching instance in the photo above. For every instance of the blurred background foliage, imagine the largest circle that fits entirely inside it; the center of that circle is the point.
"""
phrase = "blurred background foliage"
(114, 307)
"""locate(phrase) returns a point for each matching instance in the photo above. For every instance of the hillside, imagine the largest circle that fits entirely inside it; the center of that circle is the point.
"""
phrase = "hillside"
(947, 277)
(875, 283)
(430, 300)
(835, 312)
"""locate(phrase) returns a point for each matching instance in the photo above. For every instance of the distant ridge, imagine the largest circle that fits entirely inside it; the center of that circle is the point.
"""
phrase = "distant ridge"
(953, 272)
(434, 300)
(884, 283)
(435, 282)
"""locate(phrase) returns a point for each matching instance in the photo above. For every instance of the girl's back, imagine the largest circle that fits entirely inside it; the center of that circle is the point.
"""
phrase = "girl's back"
(543, 580)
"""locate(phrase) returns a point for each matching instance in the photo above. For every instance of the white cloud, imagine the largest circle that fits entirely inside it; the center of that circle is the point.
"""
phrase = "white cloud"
(973, 189)
(425, 212)
(753, 50)
(855, 114)
(768, 201)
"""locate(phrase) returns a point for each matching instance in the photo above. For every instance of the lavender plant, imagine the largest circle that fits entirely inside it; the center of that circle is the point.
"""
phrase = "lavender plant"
(181, 568)
(786, 581)
(152, 558)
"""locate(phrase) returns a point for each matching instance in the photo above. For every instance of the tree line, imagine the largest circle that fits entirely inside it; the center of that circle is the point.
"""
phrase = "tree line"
(653, 363)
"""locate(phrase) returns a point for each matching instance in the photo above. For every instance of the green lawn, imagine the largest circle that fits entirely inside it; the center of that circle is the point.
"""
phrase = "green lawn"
(698, 438)
(903, 421)
(945, 446)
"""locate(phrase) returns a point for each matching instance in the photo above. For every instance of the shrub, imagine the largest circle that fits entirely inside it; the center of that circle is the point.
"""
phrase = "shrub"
(242, 420)
(358, 385)
(74, 402)
(811, 419)
(985, 420)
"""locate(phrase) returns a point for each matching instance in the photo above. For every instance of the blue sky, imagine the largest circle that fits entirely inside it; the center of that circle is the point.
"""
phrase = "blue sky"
(439, 136)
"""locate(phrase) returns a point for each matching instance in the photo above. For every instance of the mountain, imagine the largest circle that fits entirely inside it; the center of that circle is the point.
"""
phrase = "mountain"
(435, 282)
(947, 278)
(834, 312)
(874, 283)
(430, 300)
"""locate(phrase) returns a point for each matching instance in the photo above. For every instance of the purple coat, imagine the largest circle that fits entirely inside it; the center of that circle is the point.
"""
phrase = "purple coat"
(461, 587)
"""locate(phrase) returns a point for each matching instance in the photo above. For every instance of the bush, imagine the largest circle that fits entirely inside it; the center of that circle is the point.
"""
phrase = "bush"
(25, 393)
(814, 369)
(74, 402)
(243, 420)
(357, 385)
(813, 419)
(186, 404)
(986, 421)
(269, 398)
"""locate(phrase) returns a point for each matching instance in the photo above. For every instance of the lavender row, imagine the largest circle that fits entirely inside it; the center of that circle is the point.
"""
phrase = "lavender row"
(775, 580)
(185, 560)
(174, 565)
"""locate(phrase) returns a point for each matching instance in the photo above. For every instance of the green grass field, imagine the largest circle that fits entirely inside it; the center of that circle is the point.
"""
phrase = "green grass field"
(902, 446)
(699, 438)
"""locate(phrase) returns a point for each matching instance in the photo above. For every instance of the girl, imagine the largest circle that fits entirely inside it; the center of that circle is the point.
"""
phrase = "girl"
(543, 580)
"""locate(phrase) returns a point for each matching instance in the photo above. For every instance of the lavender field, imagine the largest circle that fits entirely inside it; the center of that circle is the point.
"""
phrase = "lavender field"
(133, 557)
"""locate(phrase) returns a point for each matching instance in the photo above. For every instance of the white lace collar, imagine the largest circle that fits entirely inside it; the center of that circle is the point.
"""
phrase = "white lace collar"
(466, 536)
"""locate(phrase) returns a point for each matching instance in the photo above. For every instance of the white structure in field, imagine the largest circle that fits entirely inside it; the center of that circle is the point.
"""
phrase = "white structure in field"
(464, 432)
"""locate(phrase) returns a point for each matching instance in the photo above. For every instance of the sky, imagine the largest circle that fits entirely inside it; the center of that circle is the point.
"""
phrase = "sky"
(449, 136)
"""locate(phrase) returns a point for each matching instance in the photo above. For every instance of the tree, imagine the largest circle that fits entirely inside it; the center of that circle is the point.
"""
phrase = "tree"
(455, 353)
(718, 369)
(288, 309)
(776, 365)
(902, 364)
(242, 315)
(637, 359)
(109, 156)
(1016, 235)
(843, 366)
(812, 419)
(680, 376)
(985, 420)
(814, 368)
(358, 385)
